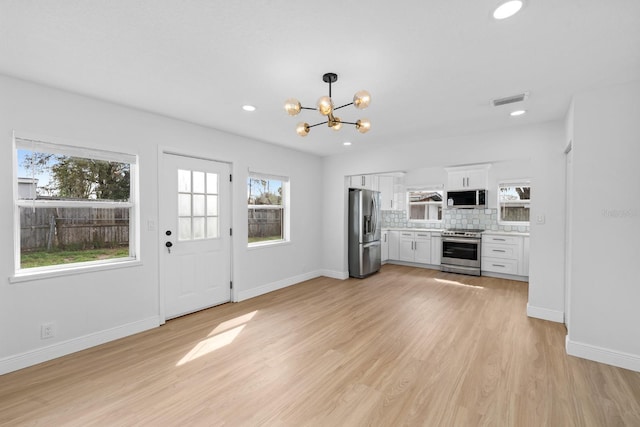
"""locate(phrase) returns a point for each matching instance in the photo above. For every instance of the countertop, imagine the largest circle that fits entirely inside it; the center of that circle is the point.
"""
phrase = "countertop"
(440, 230)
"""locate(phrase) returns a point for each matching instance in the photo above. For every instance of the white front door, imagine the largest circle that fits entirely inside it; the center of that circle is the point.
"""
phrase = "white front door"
(195, 270)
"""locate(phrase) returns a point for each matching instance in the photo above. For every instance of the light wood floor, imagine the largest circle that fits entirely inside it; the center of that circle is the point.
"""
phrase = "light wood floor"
(406, 346)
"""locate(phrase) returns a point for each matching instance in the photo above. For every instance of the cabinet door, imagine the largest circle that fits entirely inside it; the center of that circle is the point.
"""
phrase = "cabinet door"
(406, 246)
(385, 246)
(394, 244)
(525, 256)
(457, 180)
(357, 181)
(385, 184)
(436, 249)
(477, 179)
(422, 248)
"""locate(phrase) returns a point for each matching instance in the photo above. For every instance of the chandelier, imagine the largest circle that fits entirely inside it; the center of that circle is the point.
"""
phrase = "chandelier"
(325, 106)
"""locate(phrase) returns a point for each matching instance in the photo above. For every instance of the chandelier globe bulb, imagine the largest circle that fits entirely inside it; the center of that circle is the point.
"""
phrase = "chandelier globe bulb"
(292, 106)
(325, 105)
(302, 129)
(363, 125)
(361, 99)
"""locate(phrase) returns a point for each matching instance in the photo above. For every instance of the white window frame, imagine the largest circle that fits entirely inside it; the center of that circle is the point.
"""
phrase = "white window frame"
(514, 183)
(22, 140)
(434, 188)
(286, 209)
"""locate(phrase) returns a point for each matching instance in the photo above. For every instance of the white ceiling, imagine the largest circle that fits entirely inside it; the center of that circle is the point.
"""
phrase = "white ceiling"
(432, 66)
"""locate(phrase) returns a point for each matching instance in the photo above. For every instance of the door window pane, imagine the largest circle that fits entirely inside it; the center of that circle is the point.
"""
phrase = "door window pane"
(212, 183)
(184, 181)
(184, 204)
(212, 227)
(198, 205)
(184, 227)
(212, 205)
(198, 228)
(198, 182)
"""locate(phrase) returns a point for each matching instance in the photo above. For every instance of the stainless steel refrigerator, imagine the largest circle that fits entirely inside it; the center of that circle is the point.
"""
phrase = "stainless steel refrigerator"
(364, 232)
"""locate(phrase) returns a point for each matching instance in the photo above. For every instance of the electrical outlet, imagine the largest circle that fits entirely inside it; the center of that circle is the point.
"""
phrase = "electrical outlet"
(47, 330)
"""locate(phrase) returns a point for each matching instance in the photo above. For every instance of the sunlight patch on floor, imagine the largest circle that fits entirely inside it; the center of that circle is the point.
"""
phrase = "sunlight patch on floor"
(453, 282)
(223, 334)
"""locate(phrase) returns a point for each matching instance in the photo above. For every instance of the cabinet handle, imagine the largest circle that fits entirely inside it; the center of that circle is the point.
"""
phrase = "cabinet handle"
(495, 239)
(391, 204)
(499, 265)
(363, 181)
(498, 250)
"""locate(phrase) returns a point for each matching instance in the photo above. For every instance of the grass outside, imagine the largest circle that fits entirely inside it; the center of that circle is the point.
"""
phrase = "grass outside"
(44, 258)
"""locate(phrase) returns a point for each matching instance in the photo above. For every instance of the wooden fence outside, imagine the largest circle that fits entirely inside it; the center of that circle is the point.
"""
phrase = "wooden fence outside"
(73, 228)
(265, 222)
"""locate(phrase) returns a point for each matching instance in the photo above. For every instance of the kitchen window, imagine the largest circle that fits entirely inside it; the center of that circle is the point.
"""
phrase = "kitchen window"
(425, 204)
(514, 201)
(268, 213)
(73, 207)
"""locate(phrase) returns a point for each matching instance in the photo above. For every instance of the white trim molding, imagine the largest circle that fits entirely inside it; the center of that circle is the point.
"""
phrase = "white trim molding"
(545, 313)
(603, 355)
(332, 274)
(44, 354)
(274, 286)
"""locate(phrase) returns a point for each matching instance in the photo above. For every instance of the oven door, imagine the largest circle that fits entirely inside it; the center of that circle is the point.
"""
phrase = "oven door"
(461, 251)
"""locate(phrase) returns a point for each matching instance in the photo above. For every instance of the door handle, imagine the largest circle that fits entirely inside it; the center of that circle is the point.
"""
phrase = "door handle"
(168, 245)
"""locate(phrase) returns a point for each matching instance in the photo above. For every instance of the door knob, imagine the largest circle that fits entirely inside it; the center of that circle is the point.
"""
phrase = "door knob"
(168, 245)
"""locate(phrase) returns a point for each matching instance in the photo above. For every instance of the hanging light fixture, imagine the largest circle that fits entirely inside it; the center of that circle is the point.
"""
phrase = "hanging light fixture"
(325, 107)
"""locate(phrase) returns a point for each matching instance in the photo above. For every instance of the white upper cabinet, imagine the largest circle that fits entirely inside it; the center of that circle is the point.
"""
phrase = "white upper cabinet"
(472, 177)
(365, 182)
(385, 185)
(391, 193)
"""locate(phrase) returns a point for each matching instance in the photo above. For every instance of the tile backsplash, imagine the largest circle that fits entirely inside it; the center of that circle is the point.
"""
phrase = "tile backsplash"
(484, 219)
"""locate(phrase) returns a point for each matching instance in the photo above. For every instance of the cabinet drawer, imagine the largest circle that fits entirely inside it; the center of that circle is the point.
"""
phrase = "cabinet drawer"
(422, 236)
(502, 240)
(499, 265)
(501, 251)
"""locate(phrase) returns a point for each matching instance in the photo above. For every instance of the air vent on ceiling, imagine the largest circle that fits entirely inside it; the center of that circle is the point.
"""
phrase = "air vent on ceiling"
(510, 99)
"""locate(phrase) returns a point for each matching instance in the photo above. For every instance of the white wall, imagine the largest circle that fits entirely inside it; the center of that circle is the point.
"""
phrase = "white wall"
(537, 150)
(605, 291)
(95, 307)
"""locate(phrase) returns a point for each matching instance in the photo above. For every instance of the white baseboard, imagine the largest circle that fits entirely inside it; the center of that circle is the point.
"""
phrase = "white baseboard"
(340, 275)
(274, 286)
(53, 351)
(603, 355)
(545, 314)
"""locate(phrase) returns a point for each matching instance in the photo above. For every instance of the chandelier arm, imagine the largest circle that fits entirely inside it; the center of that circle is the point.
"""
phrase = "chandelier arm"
(308, 108)
(342, 106)
(318, 124)
(349, 123)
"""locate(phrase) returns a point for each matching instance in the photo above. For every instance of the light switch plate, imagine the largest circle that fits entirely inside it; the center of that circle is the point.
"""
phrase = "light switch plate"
(540, 219)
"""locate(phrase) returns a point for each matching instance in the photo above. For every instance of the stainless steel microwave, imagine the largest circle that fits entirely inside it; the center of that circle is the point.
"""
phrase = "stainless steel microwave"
(467, 199)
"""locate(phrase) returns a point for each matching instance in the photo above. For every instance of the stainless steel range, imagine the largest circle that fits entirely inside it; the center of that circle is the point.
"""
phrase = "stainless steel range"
(461, 251)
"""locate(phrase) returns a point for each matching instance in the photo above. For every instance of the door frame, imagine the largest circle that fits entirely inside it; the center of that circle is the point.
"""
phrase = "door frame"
(162, 151)
(568, 233)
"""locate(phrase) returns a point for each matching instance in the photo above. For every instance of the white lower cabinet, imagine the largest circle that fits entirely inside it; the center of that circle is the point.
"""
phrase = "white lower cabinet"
(415, 246)
(394, 244)
(505, 254)
(436, 248)
(384, 245)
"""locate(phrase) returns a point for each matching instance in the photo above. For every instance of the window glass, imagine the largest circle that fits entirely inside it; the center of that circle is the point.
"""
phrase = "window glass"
(513, 203)
(73, 205)
(425, 205)
(197, 205)
(266, 209)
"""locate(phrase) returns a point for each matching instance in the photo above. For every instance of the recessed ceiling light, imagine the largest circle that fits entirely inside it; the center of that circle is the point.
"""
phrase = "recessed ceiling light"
(346, 143)
(507, 8)
(517, 113)
(248, 108)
